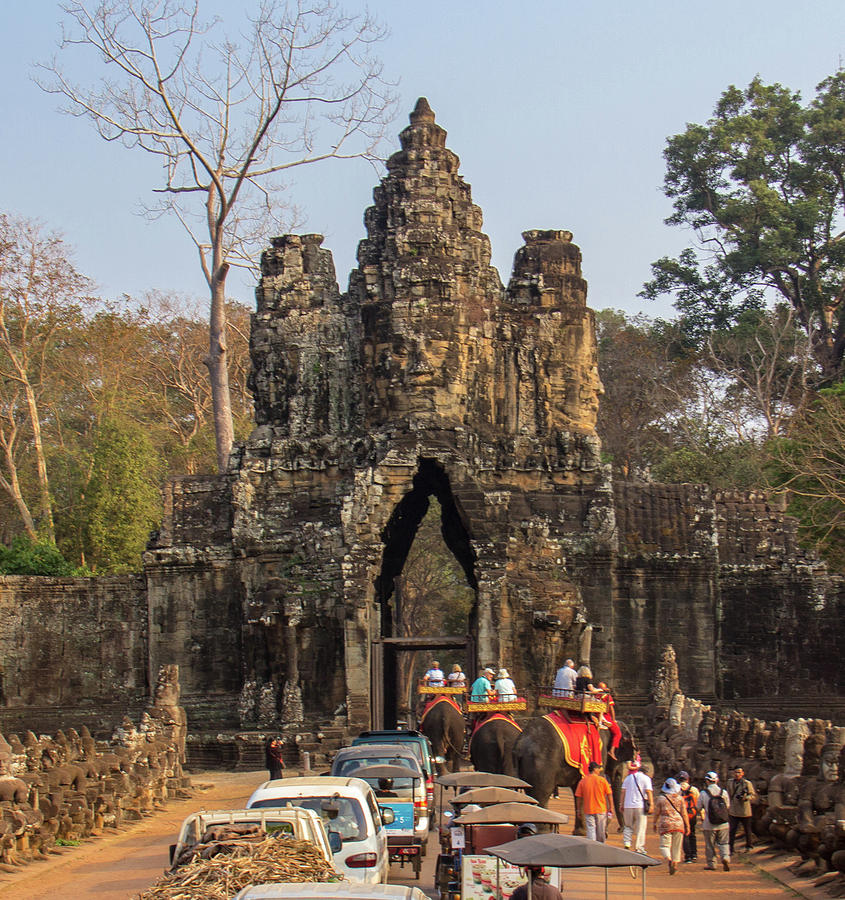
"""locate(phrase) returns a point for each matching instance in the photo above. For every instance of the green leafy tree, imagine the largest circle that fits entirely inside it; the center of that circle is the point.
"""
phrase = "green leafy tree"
(25, 556)
(762, 186)
(123, 502)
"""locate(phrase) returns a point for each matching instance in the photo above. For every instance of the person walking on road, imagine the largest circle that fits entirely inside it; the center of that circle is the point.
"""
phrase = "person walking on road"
(741, 791)
(713, 801)
(670, 822)
(689, 793)
(636, 802)
(591, 799)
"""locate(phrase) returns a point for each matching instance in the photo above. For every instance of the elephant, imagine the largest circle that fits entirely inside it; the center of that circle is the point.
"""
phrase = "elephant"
(492, 743)
(540, 761)
(443, 724)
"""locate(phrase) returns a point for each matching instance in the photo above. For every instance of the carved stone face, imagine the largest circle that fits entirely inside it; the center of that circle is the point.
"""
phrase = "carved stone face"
(829, 764)
(796, 733)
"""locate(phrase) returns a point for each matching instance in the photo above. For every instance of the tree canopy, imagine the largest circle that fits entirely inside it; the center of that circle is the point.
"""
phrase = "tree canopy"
(99, 402)
(762, 186)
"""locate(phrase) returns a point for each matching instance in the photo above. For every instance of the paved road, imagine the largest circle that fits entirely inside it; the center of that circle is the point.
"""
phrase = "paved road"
(120, 865)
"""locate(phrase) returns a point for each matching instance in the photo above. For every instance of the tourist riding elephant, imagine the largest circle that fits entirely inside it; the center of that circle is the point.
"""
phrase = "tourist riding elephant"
(443, 724)
(541, 762)
(492, 744)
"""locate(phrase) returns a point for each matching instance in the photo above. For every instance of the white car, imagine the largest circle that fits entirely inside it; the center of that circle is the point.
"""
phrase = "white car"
(349, 811)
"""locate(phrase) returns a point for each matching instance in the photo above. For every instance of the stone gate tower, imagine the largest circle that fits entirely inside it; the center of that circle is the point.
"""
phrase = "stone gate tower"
(426, 378)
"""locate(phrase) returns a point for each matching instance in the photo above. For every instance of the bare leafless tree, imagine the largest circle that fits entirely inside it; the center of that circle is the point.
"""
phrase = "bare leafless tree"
(227, 119)
(769, 368)
(40, 294)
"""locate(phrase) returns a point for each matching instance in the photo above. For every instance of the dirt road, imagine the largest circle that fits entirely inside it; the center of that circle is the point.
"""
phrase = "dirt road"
(121, 864)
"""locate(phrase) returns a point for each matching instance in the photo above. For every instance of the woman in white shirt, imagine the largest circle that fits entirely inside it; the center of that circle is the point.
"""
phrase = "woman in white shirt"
(504, 687)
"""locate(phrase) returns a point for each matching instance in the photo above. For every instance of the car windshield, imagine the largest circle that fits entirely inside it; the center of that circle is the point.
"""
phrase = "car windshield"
(347, 767)
(348, 822)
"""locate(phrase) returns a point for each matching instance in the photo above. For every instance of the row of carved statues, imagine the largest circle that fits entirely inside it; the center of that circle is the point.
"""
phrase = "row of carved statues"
(797, 768)
(60, 789)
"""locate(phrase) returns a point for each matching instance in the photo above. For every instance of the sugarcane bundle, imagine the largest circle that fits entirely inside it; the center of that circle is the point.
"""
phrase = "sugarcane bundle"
(222, 867)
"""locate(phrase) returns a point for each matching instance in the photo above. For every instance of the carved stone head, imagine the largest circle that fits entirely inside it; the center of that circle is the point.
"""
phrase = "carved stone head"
(797, 731)
(829, 760)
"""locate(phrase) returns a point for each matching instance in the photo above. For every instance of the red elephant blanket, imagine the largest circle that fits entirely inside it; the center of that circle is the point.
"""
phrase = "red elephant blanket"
(580, 739)
(434, 702)
(492, 718)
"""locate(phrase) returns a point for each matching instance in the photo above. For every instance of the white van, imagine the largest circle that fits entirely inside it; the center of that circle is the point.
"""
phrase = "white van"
(349, 810)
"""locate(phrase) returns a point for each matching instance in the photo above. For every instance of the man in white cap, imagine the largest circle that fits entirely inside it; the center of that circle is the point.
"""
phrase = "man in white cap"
(504, 687)
(565, 680)
(714, 801)
(482, 686)
(637, 801)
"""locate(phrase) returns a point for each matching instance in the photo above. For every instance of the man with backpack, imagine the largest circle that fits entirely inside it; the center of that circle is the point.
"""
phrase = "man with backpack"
(713, 800)
(689, 794)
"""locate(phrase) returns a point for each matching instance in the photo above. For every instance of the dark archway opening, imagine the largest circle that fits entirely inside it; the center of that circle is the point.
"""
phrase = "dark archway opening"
(397, 637)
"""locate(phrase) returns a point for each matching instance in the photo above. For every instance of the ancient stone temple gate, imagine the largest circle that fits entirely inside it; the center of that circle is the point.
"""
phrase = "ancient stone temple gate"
(270, 586)
(427, 378)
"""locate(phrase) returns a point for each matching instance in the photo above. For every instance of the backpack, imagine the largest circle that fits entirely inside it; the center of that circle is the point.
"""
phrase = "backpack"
(717, 809)
(689, 802)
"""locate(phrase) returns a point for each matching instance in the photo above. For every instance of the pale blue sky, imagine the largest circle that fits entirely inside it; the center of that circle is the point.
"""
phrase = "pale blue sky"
(559, 112)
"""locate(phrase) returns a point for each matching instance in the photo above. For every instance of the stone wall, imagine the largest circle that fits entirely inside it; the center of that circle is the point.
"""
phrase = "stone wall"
(74, 646)
(781, 621)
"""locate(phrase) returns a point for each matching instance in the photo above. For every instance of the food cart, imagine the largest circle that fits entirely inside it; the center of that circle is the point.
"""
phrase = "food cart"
(466, 871)
(394, 788)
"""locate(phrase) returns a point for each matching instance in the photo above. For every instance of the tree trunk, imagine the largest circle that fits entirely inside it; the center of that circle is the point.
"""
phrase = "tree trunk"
(13, 488)
(218, 367)
(41, 464)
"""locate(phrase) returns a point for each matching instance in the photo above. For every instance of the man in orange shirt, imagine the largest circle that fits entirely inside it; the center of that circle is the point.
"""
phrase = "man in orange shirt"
(591, 798)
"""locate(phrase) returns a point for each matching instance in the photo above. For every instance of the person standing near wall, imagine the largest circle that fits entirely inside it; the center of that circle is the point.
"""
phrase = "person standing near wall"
(273, 750)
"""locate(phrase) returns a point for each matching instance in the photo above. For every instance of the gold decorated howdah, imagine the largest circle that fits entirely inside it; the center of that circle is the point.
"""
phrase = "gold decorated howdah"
(497, 705)
(550, 700)
(447, 690)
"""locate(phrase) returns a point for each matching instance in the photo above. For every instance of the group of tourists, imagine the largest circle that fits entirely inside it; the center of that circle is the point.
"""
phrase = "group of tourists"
(680, 807)
(570, 682)
(489, 685)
